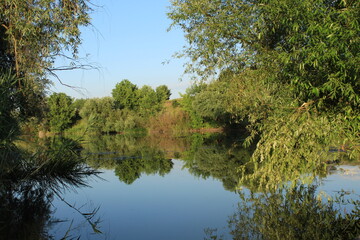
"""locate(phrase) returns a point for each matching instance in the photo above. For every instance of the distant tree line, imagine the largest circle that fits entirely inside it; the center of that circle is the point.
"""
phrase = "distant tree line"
(129, 108)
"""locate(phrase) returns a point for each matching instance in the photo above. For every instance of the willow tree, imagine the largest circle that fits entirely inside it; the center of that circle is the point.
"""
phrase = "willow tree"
(33, 34)
(295, 65)
(314, 45)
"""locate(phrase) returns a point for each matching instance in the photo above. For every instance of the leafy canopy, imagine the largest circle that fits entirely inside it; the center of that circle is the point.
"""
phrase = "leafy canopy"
(289, 60)
(34, 33)
(61, 111)
(125, 95)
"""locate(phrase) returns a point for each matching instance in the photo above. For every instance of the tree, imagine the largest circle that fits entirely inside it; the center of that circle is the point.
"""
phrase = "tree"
(212, 102)
(196, 121)
(35, 33)
(96, 112)
(9, 99)
(125, 95)
(314, 45)
(148, 101)
(295, 212)
(61, 111)
(295, 68)
(163, 93)
(32, 35)
(101, 115)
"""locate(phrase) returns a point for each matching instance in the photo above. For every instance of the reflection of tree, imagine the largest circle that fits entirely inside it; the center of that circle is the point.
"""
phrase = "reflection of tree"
(29, 180)
(271, 174)
(103, 151)
(205, 156)
(229, 162)
(219, 162)
(129, 156)
(293, 213)
(24, 212)
(129, 170)
(149, 161)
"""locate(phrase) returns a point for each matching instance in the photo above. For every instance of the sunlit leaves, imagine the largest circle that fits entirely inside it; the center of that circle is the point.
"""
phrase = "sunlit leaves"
(38, 31)
(61, 111)
(296, 75)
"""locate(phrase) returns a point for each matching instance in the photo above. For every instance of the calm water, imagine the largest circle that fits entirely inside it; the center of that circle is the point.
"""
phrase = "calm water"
(165, 189)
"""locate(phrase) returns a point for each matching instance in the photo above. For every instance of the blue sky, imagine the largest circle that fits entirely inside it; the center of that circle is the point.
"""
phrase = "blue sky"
(128, 40)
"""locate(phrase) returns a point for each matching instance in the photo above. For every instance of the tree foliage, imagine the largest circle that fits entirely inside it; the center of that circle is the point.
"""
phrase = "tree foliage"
(163, 93)
(125, 95)
(9, 123)
(149, 102)
(61, 111)
(294, 66)
(314, 45)
(212, 103)
(100, 115)
(196, 121)
(34, 33)
(145, 99)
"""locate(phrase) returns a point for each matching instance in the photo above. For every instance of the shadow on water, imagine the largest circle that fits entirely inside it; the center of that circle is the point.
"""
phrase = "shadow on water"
(30, 180)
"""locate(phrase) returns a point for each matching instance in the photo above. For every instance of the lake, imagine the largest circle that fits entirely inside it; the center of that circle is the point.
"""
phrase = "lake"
(173, 188)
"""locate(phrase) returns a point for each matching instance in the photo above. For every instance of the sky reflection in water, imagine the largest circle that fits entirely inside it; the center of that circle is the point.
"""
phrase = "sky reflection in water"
(176, 206)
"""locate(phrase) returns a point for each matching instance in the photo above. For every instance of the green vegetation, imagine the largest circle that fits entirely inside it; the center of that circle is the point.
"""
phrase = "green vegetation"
(130, 108)
(32, 35)
(286, 70)
(163, 93)
(125, 95)
(61, 111)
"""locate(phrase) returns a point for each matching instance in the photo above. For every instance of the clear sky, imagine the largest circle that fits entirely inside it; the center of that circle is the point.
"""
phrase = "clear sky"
(128, 40)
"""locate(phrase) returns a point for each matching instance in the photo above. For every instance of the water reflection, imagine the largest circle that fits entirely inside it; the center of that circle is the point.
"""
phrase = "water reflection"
(274, 202)
(297, 212)
(216, 156)
(32, 179)
(29, 181)
(25, 211)
(127, 156)
(218, 161)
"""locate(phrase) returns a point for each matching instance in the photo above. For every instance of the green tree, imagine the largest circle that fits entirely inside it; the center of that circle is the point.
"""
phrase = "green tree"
(32, 35)
(291, 60)
(61, 111)
(96, 112)
(125, 95)
(212, 102)
(148, 101)
(9, 98)
(35, 33)
(196, 121)
(100, 115)
(163, 93)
